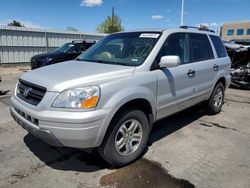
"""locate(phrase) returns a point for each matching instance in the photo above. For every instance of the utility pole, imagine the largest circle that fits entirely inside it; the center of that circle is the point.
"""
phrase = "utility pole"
(113, 17)
(182, 12)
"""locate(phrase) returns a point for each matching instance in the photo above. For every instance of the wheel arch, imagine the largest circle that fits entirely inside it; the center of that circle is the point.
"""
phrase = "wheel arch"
(137, 103)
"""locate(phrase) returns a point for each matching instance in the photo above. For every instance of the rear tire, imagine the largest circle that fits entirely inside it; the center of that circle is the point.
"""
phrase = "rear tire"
(216, 100)
(126, 138)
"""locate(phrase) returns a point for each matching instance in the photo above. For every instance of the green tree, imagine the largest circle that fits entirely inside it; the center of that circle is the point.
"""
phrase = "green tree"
(108, 27)
(16, 23)
(71, 29)
(203, 26)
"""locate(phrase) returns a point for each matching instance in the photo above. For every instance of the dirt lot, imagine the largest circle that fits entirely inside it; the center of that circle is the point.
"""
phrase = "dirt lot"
(185, 150)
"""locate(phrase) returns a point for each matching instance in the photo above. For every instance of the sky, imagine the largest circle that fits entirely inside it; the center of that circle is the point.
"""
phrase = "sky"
(86, 15)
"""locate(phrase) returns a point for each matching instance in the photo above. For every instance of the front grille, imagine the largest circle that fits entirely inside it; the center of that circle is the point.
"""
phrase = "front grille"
(30, 93)
(27, 117)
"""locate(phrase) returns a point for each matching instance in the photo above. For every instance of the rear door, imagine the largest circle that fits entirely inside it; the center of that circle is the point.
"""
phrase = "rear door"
(204, 63)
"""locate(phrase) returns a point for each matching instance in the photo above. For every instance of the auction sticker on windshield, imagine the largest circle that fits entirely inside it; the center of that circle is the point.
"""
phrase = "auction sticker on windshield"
(149, 35)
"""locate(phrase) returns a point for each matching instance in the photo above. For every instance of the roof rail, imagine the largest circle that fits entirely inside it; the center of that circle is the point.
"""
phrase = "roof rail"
(199, 28)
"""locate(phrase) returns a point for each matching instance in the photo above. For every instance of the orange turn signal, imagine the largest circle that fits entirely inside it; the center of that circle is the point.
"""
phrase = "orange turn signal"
(90, 102)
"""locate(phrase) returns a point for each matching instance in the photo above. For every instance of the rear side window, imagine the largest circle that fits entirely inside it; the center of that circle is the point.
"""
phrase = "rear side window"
(80, 48)
(200, 47)
(219, 47)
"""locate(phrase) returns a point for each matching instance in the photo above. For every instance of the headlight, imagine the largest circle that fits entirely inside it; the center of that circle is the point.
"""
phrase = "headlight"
(78, 98)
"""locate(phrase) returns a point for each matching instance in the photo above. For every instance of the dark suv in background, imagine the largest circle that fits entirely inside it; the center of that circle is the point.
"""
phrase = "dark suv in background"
(66, 52)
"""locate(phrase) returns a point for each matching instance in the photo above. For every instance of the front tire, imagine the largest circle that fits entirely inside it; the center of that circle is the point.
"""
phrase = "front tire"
(126, 139)
(216, 100)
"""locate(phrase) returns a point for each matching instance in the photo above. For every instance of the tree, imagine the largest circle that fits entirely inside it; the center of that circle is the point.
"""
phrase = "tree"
(71, 29)
(16, 24)
(204, 26)
(108, 27)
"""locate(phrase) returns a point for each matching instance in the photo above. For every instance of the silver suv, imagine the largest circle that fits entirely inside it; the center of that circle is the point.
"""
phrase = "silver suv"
(110, 96)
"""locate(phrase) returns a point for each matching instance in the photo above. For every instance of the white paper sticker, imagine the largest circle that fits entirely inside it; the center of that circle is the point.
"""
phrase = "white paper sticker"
(149, 35)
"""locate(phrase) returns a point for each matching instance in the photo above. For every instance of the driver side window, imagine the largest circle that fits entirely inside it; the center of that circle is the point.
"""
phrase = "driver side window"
(176, 44)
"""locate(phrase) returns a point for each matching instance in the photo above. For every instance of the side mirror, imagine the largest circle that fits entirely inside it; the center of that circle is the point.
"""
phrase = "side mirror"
(169, 61)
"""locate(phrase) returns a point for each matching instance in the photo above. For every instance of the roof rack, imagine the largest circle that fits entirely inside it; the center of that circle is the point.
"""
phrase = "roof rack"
(199, 28)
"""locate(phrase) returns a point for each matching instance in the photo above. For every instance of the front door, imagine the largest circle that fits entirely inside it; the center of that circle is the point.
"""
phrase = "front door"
(176, 85)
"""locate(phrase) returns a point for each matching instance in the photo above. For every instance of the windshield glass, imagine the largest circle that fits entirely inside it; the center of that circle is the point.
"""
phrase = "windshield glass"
(65, 48)
(129, 49)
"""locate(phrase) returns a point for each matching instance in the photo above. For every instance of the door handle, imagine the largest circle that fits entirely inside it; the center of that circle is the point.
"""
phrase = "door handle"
(216, 67)
(191, 73)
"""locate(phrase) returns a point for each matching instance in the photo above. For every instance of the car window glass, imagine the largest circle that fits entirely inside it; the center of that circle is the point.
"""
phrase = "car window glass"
(79, 48)
(176, 44)
(65, 48)
(219, 47)
(200, 47)
(130, 49)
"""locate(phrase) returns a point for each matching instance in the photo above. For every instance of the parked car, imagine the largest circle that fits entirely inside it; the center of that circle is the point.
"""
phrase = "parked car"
(111, 96)
(66, 52)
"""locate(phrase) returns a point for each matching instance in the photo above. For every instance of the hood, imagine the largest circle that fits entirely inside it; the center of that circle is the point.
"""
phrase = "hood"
(49, 55)
(69, 74)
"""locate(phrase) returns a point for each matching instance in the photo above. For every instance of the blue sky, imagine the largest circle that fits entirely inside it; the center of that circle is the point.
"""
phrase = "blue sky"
(86, 15)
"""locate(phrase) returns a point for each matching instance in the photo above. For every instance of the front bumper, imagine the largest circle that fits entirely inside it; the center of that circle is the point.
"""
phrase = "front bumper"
(45, 135)
(61, 128)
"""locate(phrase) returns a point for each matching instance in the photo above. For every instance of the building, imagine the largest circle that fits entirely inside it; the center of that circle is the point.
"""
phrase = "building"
(19, 44)
(236, 31)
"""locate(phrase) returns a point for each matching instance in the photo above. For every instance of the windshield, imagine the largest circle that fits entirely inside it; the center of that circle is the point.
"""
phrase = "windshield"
(129, 49)
(65, 48)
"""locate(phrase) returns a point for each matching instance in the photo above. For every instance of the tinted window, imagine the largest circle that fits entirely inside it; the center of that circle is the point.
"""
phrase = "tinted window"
(240, 31)
(80, 48)
(248, 31)
(200, 47)
(219, 47)
(230, 32)
(176, 44)
(65, 48)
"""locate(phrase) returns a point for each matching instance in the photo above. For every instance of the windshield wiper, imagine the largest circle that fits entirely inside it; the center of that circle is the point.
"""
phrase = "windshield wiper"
(113, 63)
(78, 59)
(105, 62)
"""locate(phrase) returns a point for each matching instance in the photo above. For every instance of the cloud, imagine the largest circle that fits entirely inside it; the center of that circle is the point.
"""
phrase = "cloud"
(157, 17)
(91, 3)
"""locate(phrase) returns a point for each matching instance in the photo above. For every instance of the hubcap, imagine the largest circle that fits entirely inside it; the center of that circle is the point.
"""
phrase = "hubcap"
(128, 137)
(218, 97)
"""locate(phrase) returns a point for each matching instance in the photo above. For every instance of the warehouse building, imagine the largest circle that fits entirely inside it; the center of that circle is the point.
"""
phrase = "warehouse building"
(19, 44)
(236, 31)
